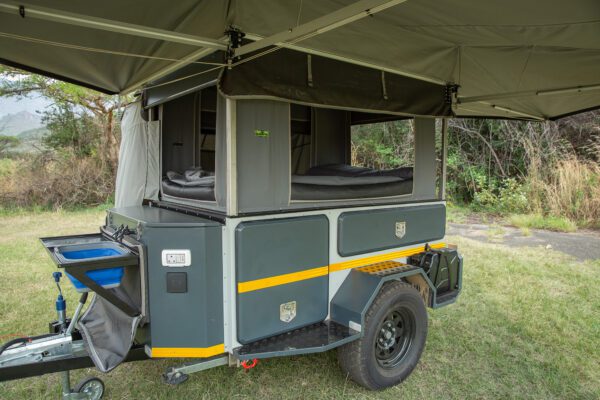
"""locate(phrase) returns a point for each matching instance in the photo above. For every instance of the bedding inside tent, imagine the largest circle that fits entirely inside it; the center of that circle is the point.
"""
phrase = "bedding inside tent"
(341, 181)
(194, 183)
(319, 150)
(328, 182)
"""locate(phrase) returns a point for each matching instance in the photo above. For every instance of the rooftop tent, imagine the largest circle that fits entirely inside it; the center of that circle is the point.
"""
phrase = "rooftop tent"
(510, 58)
(290, 75)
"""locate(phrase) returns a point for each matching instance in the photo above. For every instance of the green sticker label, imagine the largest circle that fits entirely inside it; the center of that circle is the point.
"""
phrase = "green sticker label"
(261, 133)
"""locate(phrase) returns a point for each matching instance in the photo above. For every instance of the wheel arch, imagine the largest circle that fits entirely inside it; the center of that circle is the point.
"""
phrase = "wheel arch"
(356, 294)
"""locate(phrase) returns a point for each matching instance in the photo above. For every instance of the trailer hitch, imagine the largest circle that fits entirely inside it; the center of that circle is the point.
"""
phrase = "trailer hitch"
(30, 352)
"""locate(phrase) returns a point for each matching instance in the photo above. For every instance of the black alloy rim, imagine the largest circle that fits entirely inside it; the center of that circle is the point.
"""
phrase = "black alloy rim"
(394, 337)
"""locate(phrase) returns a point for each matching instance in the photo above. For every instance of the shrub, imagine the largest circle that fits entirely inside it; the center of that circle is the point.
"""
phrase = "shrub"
(507, 197)
(55, 181)
(573, 190)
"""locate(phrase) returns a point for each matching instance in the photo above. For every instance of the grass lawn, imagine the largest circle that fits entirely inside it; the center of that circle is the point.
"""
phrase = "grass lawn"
(527, 325)
(464, 215)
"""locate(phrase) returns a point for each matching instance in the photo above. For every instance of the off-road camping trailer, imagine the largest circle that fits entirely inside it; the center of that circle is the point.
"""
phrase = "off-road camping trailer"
(243, 229)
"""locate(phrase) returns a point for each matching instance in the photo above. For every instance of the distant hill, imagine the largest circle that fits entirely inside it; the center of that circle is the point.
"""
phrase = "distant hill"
(20, 122)
(35, 134)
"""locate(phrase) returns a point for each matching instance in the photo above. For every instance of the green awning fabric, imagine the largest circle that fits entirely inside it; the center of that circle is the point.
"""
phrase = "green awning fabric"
(509, 57)
(285, 75)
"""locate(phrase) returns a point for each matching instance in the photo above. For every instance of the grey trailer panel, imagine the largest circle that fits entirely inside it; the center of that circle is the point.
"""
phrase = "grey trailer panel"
(193, 317)
(373, 230)
(425, 159)
(272, 248)
(258, 312)
(154, 217)
(181, 316)
(221, 160)
(275, 247)
(263, 155)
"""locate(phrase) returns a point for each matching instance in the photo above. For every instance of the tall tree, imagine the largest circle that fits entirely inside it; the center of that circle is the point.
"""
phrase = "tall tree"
(8, 143)
(16, 83)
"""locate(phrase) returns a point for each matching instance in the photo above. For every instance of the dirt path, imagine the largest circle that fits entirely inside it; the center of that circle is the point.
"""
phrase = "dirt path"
(582, 245)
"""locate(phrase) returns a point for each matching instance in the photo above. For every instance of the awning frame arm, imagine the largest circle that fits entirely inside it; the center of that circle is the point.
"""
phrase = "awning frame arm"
(103, 24)
(545, 92)
(513, 111)
(187, 60)
(343, 16)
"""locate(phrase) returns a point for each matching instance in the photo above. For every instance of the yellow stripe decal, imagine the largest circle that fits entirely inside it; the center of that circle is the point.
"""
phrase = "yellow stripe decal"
(258, 284)
(264, 283)
(197, 352)
(359, 262)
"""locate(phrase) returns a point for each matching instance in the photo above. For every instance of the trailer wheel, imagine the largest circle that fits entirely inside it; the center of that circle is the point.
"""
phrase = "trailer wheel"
(395, 329)
(91, 388)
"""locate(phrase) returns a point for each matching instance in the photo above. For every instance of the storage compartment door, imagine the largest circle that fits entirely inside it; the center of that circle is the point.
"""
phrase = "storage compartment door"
(282, 275)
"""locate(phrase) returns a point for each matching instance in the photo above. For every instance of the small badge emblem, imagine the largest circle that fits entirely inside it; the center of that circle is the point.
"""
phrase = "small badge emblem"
(400, 229)
(287, 311)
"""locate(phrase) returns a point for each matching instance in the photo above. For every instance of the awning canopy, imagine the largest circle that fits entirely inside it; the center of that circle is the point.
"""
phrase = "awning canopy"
(510, 58)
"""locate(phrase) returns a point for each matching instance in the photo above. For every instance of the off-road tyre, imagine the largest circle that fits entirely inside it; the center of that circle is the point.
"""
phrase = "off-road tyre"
(363, 360)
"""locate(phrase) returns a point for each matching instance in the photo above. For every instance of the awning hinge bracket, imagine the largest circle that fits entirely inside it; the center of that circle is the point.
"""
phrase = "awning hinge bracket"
(22, 11)
(235, 40)
(451, 93)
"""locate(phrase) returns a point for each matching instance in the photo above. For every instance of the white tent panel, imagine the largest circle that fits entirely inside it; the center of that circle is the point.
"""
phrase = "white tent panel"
(138, 174)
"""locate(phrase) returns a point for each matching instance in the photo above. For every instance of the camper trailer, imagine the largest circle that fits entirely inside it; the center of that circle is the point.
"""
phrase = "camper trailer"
(244, 228)
(257, 237)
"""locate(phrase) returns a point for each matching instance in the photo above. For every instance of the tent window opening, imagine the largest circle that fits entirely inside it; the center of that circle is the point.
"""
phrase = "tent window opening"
(189, 145)
(384, 146)
(349, 155)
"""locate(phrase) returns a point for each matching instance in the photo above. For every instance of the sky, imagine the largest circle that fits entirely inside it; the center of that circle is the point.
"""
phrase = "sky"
(12, 105)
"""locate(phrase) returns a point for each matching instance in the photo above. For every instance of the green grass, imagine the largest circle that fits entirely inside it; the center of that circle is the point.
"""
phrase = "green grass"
(461, 214)
(526, 326)
(536, 221)
(457, 213)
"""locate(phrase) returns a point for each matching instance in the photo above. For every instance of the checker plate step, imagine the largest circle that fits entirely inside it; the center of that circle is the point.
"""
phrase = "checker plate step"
(387, 268)
(314, 338)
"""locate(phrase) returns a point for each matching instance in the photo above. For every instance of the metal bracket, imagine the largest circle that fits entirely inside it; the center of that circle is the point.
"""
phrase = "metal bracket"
(451, 93)
(235, 41)
(179, 374)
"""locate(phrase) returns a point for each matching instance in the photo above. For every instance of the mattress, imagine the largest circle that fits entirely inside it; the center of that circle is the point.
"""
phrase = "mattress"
(353, 171)
(341, 182)
(317, 191)
(329, 182)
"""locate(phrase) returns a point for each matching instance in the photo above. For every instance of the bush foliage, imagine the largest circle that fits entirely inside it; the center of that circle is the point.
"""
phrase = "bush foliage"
(56, 180)
(506, 167)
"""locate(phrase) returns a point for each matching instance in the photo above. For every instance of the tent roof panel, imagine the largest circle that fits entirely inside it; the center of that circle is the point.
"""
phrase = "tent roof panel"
(498, 46)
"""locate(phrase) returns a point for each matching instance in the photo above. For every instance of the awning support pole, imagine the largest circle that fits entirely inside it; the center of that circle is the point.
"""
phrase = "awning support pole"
(345, 15)
(444, 157)
(86, 21)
